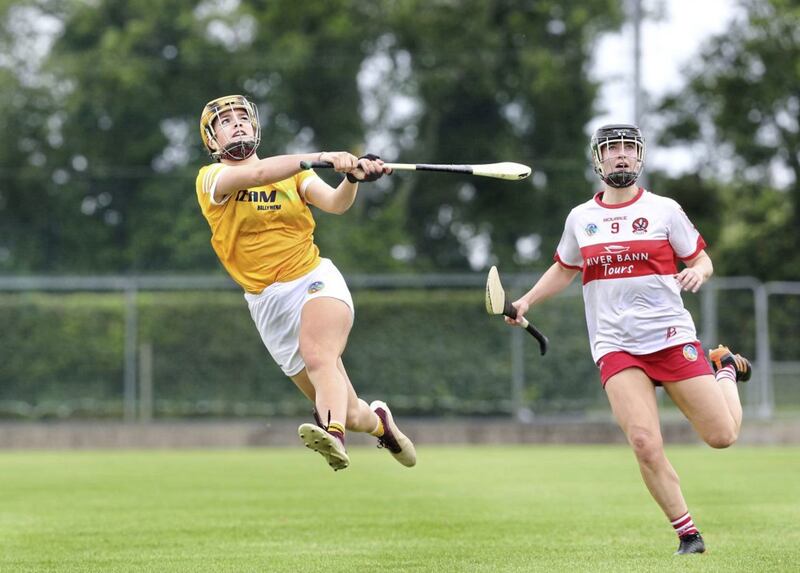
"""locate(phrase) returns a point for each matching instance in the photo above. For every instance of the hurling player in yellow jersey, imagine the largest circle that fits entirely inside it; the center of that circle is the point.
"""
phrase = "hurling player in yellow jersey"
(262, 231)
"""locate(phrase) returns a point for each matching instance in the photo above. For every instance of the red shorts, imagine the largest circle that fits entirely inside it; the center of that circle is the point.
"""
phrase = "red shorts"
(668, 365)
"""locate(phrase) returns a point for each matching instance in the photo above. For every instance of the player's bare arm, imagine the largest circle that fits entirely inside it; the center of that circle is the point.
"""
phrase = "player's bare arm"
(273, 169)
(698, 270)
(552, 282)
(338, 200)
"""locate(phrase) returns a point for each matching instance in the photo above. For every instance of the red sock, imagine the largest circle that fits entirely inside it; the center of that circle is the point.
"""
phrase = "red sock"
(684, 525)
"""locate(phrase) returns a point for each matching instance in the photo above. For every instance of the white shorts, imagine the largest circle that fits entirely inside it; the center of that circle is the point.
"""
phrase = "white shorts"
(276, 311)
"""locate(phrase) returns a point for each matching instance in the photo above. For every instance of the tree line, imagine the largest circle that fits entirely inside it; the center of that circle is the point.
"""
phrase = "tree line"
(100, 142)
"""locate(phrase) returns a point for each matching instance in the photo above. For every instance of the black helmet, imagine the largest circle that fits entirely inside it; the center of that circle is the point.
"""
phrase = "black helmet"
(623, 133)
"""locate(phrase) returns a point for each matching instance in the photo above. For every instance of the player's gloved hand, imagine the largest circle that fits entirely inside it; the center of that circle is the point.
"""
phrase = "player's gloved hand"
(370, 168)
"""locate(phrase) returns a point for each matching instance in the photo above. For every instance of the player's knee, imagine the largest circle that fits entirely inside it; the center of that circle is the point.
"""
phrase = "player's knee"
(314, 362)
(647, 446)
(316, 358)
(722, 438)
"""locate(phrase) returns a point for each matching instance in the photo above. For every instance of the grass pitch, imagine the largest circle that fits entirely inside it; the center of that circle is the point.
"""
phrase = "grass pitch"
(471, 509)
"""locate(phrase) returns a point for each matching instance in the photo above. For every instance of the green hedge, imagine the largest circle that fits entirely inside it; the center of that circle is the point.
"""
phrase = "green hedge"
(60, 353)
(426, 352)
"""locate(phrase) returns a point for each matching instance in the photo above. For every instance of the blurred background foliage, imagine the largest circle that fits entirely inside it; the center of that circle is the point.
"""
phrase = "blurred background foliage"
(102, 98)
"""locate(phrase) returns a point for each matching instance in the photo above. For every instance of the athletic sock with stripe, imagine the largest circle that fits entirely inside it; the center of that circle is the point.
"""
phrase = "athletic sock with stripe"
(726, 373)
(336, 429)
(684, 525)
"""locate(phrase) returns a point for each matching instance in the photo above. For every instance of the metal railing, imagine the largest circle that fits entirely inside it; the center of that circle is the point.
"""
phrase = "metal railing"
(137, 384)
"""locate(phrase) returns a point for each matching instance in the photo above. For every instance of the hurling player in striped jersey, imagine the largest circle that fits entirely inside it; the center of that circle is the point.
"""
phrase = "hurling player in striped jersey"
(262, 230)
(625, 243)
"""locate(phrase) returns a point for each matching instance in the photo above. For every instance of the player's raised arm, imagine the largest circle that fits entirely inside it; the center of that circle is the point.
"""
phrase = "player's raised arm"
(338, 200)
(258, 173)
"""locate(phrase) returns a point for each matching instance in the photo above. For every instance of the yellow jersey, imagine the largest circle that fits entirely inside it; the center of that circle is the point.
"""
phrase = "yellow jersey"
(261, 235)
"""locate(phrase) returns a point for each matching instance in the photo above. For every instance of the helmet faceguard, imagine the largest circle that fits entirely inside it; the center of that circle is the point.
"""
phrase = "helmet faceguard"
(235, 150)
(622, 134)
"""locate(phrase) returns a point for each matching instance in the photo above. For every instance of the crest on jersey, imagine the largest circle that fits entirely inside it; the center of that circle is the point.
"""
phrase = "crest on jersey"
(690, 352)
(590, 229)
(316, 286)
(640, 226)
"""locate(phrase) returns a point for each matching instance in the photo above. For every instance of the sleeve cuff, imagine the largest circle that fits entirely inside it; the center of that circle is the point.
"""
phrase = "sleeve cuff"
(701, 244)
(557, 259)
(304, 185)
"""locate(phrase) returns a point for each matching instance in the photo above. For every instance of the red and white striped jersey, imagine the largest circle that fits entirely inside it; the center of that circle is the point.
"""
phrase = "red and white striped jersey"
(628, 254)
